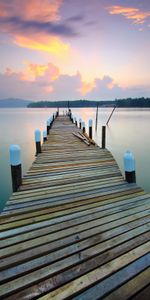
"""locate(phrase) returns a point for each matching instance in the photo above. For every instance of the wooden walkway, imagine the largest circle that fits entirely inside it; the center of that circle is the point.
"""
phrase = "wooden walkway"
(76, 229)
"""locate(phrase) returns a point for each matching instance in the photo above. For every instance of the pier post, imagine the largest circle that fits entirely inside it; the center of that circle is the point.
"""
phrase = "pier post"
(15, 162)
(75, 119)
(90, 128)
(103, 137)
(48, 126)
(50, 122)
(96, 116)
(80, 123)
(44, 136)
(129, 167)
(83, 127)
(37, 134)
(57, 113)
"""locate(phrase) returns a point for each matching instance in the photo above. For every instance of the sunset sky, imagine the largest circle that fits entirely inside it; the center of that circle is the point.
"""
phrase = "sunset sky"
(74, 49)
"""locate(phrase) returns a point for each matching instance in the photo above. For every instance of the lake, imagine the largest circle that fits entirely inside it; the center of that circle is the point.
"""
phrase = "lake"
(128, 130)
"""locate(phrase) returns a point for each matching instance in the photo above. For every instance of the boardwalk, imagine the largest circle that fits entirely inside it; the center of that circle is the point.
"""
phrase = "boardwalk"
(75, 229)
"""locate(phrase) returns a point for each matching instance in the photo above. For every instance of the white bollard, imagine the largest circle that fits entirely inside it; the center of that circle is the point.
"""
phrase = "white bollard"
(129, 167)
(75, 120)
(83, 127)
(48, 126)
(44, 136)
(37, 135)
(15, 162)
(90, 128)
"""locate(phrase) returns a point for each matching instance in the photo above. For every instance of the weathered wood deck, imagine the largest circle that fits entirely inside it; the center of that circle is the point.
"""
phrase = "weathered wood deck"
(76, 229)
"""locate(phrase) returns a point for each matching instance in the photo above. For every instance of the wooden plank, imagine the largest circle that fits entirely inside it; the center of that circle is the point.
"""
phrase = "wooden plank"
(77, 285)
(75, 229)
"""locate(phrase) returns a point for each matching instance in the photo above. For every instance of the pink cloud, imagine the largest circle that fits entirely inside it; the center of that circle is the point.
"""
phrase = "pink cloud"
(134, 14)
(62, 87)
(35, 72)
(45, 10)
(36, 25)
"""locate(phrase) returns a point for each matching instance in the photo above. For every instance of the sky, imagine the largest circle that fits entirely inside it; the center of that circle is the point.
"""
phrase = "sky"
(74, 49)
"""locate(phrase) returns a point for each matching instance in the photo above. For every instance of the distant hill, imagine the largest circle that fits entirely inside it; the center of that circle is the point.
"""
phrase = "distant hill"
(72, 103)
(13, 103)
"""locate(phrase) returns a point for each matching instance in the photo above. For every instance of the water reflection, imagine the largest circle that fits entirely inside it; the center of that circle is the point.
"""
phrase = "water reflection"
(127, 130)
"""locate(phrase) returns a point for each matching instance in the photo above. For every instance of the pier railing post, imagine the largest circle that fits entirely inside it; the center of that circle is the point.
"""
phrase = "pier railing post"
(103, 137)
(90, 128)
(71, 117)
(129, 167)
(37, 134)
(75, 119)
(44, 136)
(48, 126)
(83, 127)
(80, 123)
(15, 162)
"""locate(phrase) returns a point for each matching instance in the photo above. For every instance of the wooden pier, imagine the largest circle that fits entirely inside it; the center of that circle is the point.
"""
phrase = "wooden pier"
(75, 229)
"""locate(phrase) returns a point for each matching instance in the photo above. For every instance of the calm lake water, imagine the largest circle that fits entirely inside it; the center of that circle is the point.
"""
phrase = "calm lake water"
(128, 130)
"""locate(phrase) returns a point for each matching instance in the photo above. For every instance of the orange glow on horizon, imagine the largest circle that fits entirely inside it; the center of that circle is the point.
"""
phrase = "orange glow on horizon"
(86, 87)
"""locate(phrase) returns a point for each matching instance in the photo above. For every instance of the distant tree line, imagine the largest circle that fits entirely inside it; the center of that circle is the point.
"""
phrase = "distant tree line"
(128, 102)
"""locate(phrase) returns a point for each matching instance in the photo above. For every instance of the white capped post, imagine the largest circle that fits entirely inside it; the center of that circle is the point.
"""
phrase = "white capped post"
(48, 126)
(15, 162)
(129, 167)
(90, 128)
(44, 136)
(83, 127)
(37, 135)
(80, 123)
(75, 120)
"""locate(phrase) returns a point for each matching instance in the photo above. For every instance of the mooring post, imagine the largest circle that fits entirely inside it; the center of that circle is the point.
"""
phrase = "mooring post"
(90, 128)
(69, 112)
(83, 127)
(37, 135)
(75, 119)
(48, 126)
(96, 116)
(44, 136)
(50, 122)
(15, 162)
(103, 137)
(129, 167)
(57, 111)
(80, 123)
